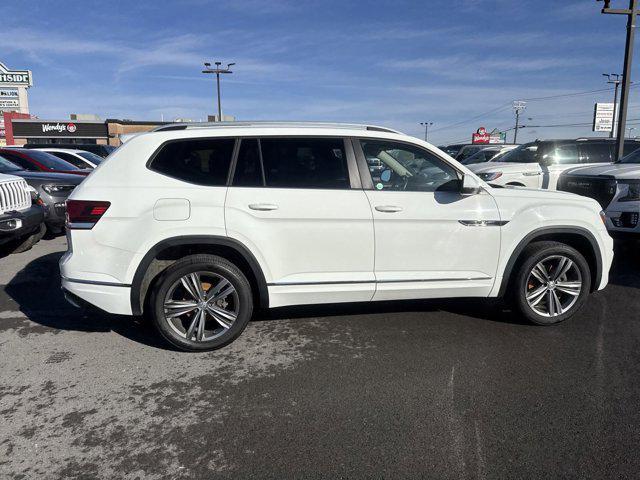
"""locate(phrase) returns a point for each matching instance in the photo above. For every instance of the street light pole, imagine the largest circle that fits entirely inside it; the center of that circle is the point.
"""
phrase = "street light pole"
(616, 79)
(518, 106)
(426, 126)
(631, 14)
(218, 71)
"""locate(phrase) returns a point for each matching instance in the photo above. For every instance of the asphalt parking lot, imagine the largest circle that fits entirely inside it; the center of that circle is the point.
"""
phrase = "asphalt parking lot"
(395, 390)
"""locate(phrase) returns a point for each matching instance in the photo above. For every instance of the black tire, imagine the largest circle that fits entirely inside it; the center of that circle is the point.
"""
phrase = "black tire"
(209, 264)
(532, 256)
(26, 243)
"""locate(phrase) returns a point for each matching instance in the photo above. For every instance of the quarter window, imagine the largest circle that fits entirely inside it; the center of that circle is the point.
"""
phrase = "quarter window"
(202, 161)
(398, 166)
(305, 163)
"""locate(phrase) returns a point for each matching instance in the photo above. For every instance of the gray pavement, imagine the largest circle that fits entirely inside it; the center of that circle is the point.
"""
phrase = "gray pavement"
(448, 389)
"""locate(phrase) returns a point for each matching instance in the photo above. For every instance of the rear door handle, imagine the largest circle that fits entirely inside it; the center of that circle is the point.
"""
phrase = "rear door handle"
(263, 207)
(388, 208)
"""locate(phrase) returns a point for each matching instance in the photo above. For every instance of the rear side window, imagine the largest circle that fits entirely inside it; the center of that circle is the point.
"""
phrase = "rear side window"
(595, 152)
(199, 161)
(305, 163)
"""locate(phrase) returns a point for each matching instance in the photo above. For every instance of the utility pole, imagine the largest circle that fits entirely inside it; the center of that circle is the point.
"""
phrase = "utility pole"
(631, 14)
(616, 79)
(518, 106)
(426, 126)
(218, 71)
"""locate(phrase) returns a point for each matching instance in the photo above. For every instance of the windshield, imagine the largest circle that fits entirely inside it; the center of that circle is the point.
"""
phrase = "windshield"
(527, 153)
(7, 167)
(50, 161)
(633, 157)
(481, 156)
(92, 157)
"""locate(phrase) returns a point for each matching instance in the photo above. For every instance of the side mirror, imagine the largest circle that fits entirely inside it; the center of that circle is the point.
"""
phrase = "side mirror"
(470, 186)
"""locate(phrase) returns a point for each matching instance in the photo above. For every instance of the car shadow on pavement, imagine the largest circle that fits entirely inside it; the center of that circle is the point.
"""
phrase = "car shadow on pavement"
(36, 291)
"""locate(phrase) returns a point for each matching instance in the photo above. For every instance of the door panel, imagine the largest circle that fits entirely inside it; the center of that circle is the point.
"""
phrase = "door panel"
(430, 240)
(298, 206)
(310, 237)
(424, 251)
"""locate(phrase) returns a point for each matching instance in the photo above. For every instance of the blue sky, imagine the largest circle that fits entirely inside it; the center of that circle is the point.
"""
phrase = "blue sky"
(393, 63)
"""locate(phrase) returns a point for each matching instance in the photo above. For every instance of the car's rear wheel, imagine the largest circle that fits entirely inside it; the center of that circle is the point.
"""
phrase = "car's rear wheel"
(552, 283)
(201, 302)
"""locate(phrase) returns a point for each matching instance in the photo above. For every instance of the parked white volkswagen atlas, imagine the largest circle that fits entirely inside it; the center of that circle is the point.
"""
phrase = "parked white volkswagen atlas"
(616, 187)
(539, 164)
(198, 225)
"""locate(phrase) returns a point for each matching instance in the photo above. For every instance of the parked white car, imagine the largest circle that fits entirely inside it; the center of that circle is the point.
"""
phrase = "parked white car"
(539, 164)
(79, 158)
(199, 225)
(616, 187)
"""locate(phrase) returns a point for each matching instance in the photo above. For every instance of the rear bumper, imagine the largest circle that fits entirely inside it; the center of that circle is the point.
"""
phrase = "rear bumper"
(28, 221)
(110, 297)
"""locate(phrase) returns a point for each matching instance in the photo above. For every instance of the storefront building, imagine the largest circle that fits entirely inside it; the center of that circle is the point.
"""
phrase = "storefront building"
(25, 131)
(110, 132)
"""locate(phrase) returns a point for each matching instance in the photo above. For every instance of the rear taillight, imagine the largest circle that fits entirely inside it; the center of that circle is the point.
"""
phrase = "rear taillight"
(84, 214)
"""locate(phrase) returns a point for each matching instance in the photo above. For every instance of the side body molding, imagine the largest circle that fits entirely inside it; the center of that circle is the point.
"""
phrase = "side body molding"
(136, 284)
(543, 232)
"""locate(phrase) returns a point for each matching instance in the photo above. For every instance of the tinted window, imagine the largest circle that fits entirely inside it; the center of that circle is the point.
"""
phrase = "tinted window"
(408, 168)
(204, 162)
(527, 153)
(595, 152)
(50, 161)
(92, 157)
(67, 157)
(481, 156)
(7, 167)
(305, 162)
(563, 154)
(248, 171)
(630, 147)
(21, 162)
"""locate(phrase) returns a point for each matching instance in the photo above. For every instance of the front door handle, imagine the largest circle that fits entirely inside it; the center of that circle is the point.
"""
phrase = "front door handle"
(388, 208)
(263, 207)
(531, 174)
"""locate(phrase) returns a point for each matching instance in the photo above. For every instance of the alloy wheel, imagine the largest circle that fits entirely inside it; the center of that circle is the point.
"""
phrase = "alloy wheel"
(201, 306)
(553, 286)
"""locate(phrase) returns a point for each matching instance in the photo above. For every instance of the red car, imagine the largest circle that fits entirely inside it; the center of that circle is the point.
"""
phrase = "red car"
(37, 161)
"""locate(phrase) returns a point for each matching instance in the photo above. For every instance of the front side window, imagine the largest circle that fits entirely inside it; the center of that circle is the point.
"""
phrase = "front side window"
(199, 161)
(407, 168)
(92, 157)
(305, 163)
(526, 153)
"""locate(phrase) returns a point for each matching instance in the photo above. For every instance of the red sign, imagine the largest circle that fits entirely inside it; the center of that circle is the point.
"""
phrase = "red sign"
(481, 136)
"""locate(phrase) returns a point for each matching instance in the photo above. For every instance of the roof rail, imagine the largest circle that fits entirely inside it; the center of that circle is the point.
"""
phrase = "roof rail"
(263, 124)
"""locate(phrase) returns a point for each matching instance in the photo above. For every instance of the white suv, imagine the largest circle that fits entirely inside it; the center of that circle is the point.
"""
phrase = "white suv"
(616, 187)
(540, 164)
(197, 225)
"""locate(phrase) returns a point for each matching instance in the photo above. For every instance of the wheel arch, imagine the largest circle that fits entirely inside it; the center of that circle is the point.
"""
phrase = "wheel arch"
(577, 237)
(169, 250)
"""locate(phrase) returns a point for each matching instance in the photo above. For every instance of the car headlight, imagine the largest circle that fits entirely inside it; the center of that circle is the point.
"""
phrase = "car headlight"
(489, 177)
(55, 188)
(633, 192)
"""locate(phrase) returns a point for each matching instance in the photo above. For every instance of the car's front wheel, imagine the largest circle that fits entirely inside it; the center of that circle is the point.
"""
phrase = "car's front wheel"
(552, 283)
(201, 302)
